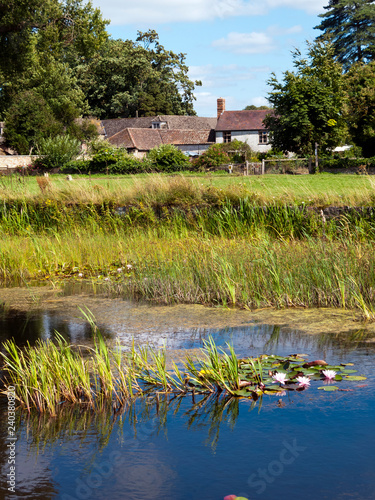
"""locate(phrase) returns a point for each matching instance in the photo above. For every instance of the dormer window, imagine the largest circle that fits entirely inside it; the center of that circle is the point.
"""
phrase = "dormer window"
(159, 124)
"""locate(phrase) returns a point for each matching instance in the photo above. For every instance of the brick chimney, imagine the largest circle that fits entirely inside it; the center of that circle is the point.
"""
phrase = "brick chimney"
(220, 106)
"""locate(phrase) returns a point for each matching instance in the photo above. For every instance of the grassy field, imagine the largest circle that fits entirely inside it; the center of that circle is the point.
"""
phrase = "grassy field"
(214, 240)
(323, 189)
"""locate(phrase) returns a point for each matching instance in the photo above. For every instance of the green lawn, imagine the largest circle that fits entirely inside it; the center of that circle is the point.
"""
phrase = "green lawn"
(323, 189)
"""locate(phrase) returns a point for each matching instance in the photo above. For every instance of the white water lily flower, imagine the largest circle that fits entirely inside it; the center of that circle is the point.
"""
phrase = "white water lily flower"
(279, 377)
(303, 381)
(329, 374)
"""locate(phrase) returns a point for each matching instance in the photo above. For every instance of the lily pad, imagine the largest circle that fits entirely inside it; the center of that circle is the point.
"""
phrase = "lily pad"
(328, 388)
(349, 371)
(355, 378)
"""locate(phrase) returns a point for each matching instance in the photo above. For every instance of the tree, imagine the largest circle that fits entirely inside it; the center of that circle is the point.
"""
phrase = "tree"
(360, 106)
(28, 120)
(308, 103)
(34, 31)
(127, 77)
(68, 29)
(45, 102)
(350, 24)
(253, 107)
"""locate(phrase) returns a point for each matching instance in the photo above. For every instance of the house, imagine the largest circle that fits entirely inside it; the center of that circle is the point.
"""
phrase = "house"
(140, 140)
(191, 134)
(246, 126)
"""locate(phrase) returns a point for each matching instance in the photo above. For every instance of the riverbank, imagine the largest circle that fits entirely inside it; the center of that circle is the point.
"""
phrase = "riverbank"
(176, 243)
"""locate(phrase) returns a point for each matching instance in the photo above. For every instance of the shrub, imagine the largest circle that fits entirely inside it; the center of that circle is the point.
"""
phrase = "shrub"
(238, 151)
(167, 158)
(76, 167)
(213, 157)
(55, 152)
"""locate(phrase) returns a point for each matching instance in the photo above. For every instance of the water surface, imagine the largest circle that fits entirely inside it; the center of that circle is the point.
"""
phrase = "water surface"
(304, 445)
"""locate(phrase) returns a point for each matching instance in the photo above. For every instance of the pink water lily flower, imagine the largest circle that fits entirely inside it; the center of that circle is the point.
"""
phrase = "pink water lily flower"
(279, 377)
(303, 381)
(329, 374)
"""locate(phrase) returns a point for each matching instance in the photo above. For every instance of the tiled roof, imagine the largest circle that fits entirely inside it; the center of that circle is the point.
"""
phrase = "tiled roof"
(242, 120)
(113, 126)
(146, 139)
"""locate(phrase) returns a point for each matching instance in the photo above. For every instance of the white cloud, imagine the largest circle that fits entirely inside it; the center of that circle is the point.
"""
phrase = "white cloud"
(278, 31)
(122, 12)
(246, 43)
(226, 75)
(259, 101)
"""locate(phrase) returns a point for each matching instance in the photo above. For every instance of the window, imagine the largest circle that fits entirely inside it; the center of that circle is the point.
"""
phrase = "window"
(227, 136)
(155, 124)
(263, 137)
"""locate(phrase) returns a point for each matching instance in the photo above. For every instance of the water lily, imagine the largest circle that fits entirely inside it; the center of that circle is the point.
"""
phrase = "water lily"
(329, 374)
(303, 381)
(279, 377)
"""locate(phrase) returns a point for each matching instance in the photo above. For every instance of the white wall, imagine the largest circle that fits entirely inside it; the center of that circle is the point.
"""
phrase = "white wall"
(251, 137)
(197, 149)
(13, 161)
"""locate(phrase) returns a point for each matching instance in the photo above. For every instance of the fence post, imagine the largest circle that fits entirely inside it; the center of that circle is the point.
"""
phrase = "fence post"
(246, 167)
(316, 158)
(263, 166)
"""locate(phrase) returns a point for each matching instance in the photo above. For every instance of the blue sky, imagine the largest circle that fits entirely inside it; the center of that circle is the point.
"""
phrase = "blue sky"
(232, 46)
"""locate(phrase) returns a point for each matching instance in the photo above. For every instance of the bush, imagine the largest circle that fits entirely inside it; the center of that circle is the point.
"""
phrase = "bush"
(76, 167)
(238, 151)
(347, 163)
(167, 158)
(55, 152)
(213, 157)
(114, 161)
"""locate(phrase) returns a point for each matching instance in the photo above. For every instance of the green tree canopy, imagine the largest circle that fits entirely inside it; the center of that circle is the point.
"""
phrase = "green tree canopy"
(253, 107)
(67, 29)
(308, 103)
(127, 77)
(350, 24)
(360, 106)
(45, 102)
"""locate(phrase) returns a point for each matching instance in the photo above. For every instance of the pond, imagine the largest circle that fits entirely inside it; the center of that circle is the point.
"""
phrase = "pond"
(310, 444)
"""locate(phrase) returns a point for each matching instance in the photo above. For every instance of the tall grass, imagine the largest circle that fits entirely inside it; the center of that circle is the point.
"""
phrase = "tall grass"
(49, 374)
(177, 241)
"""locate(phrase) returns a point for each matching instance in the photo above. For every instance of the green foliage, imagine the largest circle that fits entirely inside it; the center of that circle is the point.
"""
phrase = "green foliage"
(67, 29)
(28, 120)
(213, 157)
(253, 107)
(45, 102)
(55, 152)
(348, 163)
(350, 24)
(126, 77)
(308, 103)
(360, 108)
(238, 151)
(167, 158)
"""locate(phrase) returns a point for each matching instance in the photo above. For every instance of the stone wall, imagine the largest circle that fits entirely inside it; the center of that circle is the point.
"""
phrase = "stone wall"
(10, 162)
